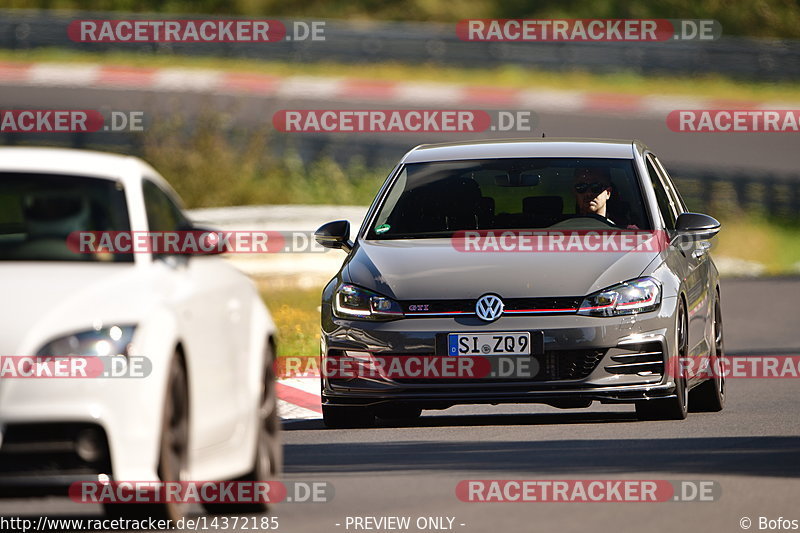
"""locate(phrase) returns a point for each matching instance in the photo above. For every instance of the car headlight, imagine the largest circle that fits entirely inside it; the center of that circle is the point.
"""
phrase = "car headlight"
(628, 298)
(354, 302)
(113, 340)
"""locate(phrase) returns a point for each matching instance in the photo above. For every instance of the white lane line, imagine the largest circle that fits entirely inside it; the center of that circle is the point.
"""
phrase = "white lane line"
(428, 93)
(309, 87)
(63, 76)
(190, 80)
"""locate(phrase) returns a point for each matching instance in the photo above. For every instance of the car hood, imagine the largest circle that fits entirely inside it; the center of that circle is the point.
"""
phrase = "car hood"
(48, 299)
(434, 269)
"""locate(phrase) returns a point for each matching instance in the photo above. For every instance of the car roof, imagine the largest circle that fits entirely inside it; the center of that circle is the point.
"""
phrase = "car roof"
(77, 162)
(64, 161)
(509, 148)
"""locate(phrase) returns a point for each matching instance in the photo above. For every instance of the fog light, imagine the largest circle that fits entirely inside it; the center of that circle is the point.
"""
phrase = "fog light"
(89, 445)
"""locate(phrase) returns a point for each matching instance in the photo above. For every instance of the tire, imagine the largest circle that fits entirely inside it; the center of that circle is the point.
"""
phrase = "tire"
(173, 449)
(399, 412)
(268, 462)
(676, 407)
(347, 417)
(709, 397)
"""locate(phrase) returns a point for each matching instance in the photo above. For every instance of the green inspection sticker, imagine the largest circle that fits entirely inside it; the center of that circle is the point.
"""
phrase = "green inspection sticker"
(383, 228)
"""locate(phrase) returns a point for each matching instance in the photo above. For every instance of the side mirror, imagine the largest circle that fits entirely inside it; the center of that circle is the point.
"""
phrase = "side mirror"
(207, 239)
(335, 235)
(696, 226)
(210, 240)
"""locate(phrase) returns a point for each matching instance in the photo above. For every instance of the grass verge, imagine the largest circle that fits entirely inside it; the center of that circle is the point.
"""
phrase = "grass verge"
(296, 315)
(774, 244)
(211, 165)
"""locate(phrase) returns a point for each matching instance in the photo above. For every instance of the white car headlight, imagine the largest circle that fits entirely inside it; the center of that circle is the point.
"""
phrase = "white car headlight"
(113, 340)
(351, 301)
(628, 298)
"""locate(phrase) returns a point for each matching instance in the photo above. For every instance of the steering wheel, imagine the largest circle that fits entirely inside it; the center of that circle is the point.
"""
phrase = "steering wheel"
(582, 221)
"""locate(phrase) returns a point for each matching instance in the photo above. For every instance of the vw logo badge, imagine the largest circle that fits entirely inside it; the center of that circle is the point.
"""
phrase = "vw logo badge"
(489, 307)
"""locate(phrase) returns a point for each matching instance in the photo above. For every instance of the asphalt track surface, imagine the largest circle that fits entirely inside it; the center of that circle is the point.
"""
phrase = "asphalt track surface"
(753, 154)
(751, 450)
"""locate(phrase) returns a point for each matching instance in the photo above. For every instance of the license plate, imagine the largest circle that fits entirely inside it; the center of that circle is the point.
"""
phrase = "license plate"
(518, 343)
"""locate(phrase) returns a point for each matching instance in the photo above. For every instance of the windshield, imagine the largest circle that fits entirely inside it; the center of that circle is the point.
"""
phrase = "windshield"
(439, 198)
(39, 211)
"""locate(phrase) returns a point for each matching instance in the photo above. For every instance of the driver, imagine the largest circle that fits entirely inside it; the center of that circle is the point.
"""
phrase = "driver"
(592, 190)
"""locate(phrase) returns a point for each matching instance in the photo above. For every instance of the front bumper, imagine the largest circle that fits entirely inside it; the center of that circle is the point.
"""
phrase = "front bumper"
(47, 414)
(616, 358)
(45, 459)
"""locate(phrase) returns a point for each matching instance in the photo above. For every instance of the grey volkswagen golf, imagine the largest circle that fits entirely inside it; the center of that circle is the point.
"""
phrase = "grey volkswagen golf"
(554, 271)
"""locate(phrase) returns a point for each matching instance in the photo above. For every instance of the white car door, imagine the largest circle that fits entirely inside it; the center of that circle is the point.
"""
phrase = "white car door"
(200, 291)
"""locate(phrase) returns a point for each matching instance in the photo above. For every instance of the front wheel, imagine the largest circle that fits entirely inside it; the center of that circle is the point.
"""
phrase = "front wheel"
(709, 397)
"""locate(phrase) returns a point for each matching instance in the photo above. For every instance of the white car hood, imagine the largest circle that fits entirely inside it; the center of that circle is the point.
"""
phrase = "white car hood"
(42, 300)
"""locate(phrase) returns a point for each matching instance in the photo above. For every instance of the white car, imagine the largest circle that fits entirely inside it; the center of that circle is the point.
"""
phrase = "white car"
(206, 410)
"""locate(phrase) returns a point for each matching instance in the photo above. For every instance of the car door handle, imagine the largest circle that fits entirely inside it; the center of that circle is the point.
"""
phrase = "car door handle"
(701, 250)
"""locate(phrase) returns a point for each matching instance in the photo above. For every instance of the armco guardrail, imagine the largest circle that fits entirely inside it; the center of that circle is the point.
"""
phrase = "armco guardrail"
(426, 42)
(716, 191)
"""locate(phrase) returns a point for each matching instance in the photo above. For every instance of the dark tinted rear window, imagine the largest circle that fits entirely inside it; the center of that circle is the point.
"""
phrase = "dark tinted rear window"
(39, 211)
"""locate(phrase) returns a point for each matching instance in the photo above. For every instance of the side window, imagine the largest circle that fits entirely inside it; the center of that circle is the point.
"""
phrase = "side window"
(664, 203)
(392, 198)
(671, 189)
(162, 213)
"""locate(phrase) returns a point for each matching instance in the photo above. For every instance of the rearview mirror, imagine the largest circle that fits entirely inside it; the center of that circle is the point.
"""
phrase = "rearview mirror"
(530, 178)
(335, 235)
(502, 180)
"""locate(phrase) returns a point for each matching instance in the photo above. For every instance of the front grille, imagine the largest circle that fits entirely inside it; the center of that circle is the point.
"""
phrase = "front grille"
(641, 359)
(513, 306)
